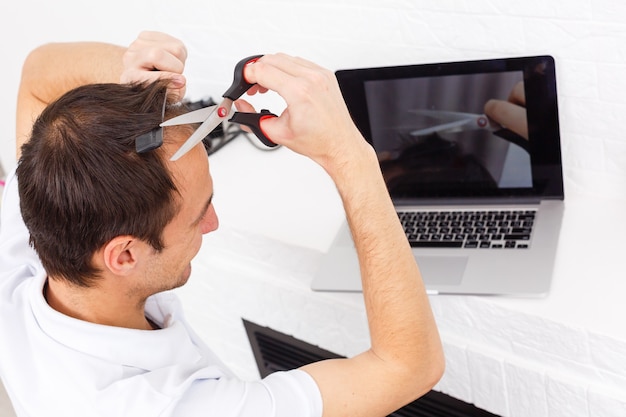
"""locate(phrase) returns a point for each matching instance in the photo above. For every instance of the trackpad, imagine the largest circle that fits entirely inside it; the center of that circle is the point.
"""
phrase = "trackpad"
(441, 270)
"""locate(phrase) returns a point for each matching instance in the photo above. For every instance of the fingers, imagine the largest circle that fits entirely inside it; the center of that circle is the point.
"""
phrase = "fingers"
(256, 89)
(279, 72)
(297, 82)
(245, 107)
(517, 95)
(156, 55)
(509, 115)
(316, 122)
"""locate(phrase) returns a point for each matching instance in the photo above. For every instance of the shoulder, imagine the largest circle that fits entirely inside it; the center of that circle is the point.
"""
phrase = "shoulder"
(11, 222)
(280, 394)
(18, 260)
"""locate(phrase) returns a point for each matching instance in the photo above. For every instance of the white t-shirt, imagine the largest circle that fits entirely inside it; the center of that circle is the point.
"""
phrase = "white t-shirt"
(55, 365)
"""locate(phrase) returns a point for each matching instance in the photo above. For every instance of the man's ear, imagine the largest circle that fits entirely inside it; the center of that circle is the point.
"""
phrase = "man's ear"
(121, 254)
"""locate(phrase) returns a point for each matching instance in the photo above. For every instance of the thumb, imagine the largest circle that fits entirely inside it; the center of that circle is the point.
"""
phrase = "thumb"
(271, 127)
(277, 129)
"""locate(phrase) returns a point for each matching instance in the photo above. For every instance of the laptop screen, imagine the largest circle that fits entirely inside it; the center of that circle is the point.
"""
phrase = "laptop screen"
(471, 129)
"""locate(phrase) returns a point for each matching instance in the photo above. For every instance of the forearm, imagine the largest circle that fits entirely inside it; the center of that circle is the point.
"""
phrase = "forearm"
(402, 327)
(53, 69)
(405, 359)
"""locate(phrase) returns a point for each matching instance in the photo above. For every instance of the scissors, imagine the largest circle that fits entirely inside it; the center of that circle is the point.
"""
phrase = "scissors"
(453, 121)
(212, 116)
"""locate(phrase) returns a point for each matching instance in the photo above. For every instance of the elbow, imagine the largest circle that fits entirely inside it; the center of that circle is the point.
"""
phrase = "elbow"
(34, 58)
(431, 373)
(436, 369)
(42, 61)
(417, 381)
(34, 66)
(436, 362)
(428, 373)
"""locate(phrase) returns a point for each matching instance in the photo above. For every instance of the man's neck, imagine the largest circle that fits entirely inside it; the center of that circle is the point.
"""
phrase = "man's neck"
(96, 304)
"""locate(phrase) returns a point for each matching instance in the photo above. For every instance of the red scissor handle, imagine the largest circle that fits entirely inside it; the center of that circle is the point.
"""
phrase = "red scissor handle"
(253, 121)
(240, 85)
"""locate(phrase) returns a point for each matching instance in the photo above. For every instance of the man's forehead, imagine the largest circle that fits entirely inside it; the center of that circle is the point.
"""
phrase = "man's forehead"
(190, 173)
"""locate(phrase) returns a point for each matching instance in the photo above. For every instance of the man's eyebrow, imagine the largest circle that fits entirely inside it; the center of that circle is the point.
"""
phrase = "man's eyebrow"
(205, 208)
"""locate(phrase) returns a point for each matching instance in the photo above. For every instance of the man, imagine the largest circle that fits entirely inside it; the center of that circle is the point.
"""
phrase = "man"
(91, 328)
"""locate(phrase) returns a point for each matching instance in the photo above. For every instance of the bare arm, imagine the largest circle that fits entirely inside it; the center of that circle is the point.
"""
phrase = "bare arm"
(405, 359)
(53, 69)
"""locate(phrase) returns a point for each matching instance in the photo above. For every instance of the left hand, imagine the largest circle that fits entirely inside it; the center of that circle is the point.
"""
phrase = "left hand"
(156, 55)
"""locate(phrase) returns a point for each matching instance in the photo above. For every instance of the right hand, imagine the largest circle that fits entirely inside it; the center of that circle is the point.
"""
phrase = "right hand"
(316, 122)
(156, 55)
(511, 113)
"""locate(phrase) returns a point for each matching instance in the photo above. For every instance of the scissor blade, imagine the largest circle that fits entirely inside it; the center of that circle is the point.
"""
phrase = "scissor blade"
(196, 116)
(443, 115)
(440, 128)
(452, 121)
(205, 128)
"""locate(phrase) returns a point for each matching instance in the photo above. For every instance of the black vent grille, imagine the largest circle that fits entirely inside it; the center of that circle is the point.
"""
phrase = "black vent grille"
(437, 404)
(278, 355)
(275, 351)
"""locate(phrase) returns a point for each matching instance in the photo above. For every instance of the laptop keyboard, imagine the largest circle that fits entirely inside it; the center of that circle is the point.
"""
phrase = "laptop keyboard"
(495, 229)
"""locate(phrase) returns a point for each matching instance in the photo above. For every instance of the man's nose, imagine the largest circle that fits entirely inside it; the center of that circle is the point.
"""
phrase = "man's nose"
(210, 222)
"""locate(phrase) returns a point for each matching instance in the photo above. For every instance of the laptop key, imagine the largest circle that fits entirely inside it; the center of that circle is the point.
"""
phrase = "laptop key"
(517, 236)
(436, 244)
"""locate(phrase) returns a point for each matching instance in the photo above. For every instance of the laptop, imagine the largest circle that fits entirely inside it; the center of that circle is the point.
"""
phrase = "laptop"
(471, 156)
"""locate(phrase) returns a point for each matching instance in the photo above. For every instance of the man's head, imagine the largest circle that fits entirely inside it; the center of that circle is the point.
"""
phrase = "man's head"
(82, 184)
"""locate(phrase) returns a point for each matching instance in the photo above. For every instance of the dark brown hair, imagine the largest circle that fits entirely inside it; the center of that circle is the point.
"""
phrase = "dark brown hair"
(81, 183)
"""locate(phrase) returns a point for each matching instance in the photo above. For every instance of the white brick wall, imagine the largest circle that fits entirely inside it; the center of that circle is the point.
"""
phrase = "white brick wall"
(518, 364)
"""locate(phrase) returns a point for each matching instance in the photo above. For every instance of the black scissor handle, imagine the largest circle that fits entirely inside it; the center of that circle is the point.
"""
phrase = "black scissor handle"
(253, 120)
(240, 85)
